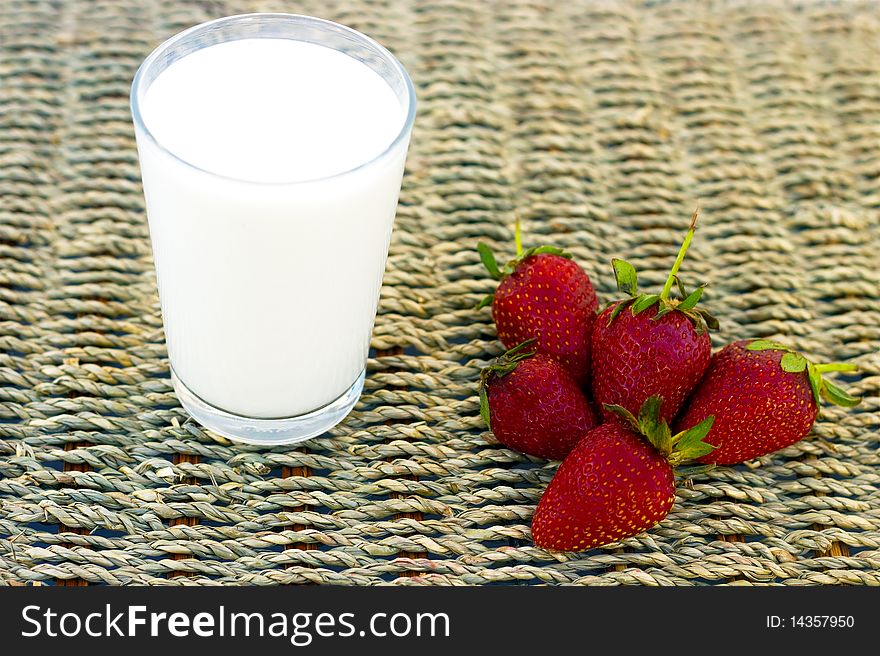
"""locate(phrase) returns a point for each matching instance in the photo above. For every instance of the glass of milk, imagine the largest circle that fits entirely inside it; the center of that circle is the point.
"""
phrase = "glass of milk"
(272, 148)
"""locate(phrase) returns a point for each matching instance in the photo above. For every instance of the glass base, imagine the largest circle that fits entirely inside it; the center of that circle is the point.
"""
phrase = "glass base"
(268, 432)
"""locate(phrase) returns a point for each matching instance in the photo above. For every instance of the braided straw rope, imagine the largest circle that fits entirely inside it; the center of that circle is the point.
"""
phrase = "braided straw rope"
(601, 125)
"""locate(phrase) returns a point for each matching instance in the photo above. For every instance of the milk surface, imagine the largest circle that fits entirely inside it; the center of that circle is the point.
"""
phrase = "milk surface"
(269, 270)
(272, 110)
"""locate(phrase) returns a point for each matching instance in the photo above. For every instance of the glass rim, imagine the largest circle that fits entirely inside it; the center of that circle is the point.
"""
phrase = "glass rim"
(150, 60)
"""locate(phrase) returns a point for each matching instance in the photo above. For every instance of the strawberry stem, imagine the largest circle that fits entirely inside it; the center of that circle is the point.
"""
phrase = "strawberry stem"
(517, 235)
(835, 366)
(664, 295)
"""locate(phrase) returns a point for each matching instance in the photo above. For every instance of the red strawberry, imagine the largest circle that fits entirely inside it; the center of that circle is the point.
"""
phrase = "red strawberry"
(650, 344)
(764, 397)
(533, 405)
(615, 483)
(544, 295)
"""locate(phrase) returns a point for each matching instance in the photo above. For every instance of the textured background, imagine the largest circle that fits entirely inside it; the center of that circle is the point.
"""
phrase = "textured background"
(601, 124)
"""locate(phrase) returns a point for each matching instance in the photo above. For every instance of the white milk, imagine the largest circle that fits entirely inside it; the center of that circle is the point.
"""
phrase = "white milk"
(268, 274)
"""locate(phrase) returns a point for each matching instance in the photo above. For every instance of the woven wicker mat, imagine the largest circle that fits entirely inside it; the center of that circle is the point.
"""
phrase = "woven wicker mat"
(601, 125)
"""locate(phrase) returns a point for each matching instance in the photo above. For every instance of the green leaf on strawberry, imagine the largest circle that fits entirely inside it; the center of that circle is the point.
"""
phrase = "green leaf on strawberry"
(499, 368)
(682, 447)
(794, 362)
(487, 257)
(766, 345)
(838, 396)
(626, 277)
(643, 302)
(692, 299)
(690, 444)
(627, 282)
(682, 290)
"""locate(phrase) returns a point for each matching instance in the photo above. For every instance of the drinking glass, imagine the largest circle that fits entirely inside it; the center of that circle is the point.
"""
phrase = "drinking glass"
(269, 289)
